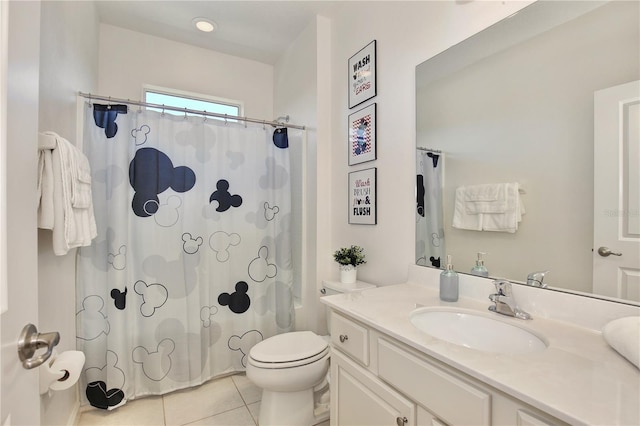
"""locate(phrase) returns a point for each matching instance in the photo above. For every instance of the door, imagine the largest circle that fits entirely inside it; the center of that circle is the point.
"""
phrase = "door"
(19, 82)
(360, 399)
(616, 235)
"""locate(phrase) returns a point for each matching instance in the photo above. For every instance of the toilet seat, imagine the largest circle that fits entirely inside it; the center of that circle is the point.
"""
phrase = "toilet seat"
(288, 350)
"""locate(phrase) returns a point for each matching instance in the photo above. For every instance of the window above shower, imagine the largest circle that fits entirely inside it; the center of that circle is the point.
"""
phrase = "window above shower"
(190, 100)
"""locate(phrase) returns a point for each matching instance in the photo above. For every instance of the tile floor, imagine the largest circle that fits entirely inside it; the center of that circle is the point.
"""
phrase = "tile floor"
(229, 401)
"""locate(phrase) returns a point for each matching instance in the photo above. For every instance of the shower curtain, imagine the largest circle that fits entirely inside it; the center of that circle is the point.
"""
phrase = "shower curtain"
(192, 263)
(430, 247)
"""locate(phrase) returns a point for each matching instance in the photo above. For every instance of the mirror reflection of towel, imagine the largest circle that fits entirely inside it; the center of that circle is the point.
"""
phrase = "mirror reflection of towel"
(486, 198)
(488, 207)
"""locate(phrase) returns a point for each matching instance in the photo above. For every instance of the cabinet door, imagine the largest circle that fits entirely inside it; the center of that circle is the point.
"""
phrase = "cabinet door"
(358, 398)
(527, 419)
(425, 418)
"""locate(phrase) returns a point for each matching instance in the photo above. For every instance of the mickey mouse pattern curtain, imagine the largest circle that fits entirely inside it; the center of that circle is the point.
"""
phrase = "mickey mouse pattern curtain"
(430, 247)
(192, 263)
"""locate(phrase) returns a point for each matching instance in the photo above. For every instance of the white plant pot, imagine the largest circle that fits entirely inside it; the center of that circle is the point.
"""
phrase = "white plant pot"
(348, 274)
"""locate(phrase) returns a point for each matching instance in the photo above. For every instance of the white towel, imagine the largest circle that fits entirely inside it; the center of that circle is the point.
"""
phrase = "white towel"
(46, 144)
(509, 220)
(462, 219)
(73, 226)
(80, 182)
(485, 198)
(484, 192)
(500, 215)
(623, 335)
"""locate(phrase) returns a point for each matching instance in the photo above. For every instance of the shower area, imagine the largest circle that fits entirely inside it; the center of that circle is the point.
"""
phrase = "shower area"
(78, 53)
(192, 264)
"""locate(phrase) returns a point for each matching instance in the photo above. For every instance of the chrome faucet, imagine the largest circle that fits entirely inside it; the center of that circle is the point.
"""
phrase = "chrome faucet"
(504, 303)
(535, 279)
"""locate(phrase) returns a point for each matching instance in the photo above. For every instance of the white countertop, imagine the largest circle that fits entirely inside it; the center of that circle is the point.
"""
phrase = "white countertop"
(579, 378)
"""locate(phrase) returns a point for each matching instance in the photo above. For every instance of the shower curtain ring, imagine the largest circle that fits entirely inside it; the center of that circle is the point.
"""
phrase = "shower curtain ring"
(163, 109)
(225, 119)
(185, 113)
(204, 116)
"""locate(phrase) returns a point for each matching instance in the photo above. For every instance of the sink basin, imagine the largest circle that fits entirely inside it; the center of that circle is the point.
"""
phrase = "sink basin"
(476, 331)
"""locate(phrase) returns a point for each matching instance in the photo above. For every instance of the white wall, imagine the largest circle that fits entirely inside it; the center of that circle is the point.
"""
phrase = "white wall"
(68, 63)
(407, 33)
(303, 92)
(129, 59)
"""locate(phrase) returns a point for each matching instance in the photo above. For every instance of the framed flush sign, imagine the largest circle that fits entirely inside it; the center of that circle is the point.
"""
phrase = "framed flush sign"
(362, 75)
(362, 135)
(362, 197)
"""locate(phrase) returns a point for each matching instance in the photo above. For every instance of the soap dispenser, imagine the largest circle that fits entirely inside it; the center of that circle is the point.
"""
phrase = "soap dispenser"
(480, 270)
(449, 283)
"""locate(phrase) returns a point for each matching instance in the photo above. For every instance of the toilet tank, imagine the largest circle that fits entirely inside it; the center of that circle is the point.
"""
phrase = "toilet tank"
(336, 287)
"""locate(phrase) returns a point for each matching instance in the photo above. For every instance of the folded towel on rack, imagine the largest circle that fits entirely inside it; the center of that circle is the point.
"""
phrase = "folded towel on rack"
(485, 198)
(484, 192)
(509, 220)
(623, 335)
(80, 182)
(462, 219)
(68, 184)
(503, 214)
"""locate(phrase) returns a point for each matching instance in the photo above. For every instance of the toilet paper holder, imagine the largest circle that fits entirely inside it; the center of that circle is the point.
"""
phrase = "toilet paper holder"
(30, 341)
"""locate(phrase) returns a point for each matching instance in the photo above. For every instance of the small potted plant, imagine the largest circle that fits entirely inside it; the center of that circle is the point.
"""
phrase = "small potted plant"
(349, 258)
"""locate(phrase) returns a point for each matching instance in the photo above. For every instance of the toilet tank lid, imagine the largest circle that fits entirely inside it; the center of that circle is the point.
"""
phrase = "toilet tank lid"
(288, 347)
(346, 288)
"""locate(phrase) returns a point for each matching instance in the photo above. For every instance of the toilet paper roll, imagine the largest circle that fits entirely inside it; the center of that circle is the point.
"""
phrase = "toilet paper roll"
(61, 371)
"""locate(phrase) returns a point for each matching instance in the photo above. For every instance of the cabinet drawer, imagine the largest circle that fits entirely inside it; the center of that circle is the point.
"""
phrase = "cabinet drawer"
(350, 337)
(448, 397)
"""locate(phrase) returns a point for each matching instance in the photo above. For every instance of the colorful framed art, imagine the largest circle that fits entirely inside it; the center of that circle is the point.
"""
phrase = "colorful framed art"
(362, 135)
(362, 75)
(362, 197)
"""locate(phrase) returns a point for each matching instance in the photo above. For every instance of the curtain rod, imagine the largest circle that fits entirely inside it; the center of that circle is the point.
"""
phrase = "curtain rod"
(191, 111)
(437, 151)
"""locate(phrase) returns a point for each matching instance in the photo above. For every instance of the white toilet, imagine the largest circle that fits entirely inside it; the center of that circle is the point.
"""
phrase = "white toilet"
(291, 368)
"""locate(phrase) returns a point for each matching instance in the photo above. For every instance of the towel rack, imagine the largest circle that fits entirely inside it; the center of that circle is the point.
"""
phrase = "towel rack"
(46, 141)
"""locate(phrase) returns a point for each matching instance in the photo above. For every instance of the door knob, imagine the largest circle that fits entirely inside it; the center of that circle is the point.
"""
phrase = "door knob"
(30, 341)
(604, 252)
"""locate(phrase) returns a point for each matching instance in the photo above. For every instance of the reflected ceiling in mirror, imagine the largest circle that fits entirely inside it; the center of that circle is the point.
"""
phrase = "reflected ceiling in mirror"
(515, 104)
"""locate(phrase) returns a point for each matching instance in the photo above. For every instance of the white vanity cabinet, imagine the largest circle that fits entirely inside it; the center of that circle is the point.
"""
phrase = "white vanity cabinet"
(360, 398)
(376, 380)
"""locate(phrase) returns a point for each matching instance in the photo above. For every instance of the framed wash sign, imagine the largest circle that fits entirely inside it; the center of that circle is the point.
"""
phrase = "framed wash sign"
(362, 75)
(362, 135)
(362, 197)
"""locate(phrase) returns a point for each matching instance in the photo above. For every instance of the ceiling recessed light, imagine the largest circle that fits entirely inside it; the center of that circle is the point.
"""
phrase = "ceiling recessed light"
(204, 24)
